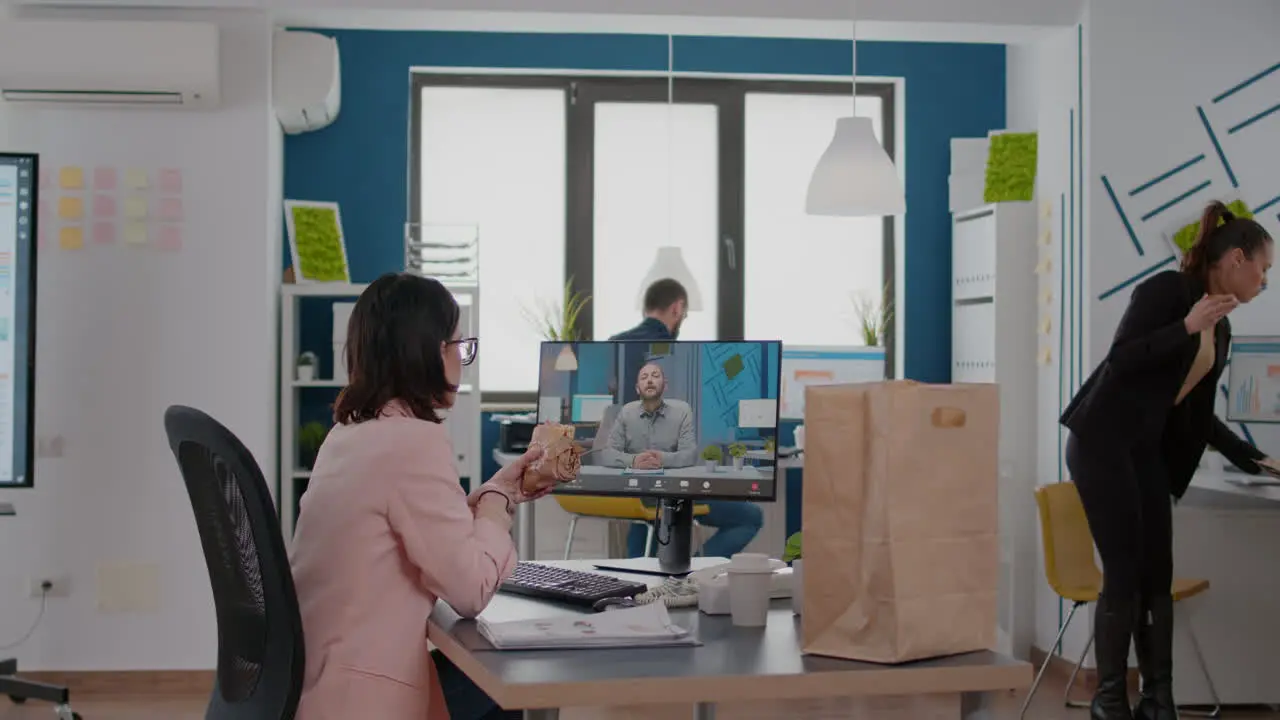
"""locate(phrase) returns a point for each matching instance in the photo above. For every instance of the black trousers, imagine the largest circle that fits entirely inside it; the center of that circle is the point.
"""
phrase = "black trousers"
(1125, 492)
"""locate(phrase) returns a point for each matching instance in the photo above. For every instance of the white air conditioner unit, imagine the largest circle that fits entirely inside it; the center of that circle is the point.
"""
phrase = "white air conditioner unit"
(306, 80)
(109, 63)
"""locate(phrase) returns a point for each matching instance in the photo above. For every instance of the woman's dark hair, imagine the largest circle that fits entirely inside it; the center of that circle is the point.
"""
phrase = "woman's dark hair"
(394, 339)
(1221, 232)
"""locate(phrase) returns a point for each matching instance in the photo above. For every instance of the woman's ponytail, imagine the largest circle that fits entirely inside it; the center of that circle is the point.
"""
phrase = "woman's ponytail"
(1200, 256)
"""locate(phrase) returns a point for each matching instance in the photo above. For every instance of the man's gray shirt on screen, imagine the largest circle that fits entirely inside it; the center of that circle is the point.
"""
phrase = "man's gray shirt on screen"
(668, 429)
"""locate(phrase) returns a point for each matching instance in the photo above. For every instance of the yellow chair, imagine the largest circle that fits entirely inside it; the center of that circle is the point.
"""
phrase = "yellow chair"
(1070, 569)
(613, 508)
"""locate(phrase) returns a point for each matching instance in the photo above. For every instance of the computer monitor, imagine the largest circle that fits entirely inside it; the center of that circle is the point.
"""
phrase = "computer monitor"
(19, 198)
(675, 422)
(1253, 380)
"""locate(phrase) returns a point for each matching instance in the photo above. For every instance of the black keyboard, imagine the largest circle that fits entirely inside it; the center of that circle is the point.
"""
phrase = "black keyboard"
(575, 587)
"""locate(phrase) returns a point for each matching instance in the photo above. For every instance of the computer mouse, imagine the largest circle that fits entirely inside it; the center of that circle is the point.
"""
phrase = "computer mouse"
(614, 603)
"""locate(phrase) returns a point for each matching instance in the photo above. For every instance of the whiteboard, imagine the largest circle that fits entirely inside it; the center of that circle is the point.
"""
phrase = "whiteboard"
(805, 365)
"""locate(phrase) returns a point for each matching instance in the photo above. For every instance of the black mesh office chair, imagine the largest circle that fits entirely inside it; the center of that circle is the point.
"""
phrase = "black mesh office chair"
(260, 647)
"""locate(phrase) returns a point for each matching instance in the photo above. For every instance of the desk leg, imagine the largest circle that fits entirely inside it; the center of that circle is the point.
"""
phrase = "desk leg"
(525, 543)
(541, 715)
(704, 711)
(975, 706)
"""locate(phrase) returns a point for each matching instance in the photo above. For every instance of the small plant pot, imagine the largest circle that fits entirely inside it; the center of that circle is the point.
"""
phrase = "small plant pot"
(737, 463)
(306, 373)
(711, 465)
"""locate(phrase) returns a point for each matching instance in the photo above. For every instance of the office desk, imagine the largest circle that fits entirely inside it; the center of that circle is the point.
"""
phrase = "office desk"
(770, 540)
(732, 664)
(1236, 488)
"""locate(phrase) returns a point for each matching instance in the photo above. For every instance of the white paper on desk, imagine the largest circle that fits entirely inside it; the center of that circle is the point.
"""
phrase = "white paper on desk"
(643, 626)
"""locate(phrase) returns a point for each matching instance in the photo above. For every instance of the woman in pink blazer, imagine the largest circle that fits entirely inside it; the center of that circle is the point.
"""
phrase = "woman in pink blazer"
(385, 528)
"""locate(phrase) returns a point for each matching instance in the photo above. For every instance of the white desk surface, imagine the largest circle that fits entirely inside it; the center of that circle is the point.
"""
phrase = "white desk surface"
(1235, 486)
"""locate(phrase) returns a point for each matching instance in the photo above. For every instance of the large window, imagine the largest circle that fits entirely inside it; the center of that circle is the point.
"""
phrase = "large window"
(581, 180)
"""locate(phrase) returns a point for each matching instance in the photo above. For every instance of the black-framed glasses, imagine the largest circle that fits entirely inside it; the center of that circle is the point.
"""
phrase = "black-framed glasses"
(467, 349)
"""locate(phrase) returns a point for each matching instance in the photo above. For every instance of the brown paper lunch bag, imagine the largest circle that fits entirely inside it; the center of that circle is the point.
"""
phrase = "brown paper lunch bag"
(901, 525)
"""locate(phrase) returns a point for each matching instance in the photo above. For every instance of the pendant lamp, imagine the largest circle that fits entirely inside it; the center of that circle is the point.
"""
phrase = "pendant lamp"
(566, 361)
(855, 176)
(670, 263)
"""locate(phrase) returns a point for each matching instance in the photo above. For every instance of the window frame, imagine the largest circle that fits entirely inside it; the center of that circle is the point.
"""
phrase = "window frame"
(728, 93)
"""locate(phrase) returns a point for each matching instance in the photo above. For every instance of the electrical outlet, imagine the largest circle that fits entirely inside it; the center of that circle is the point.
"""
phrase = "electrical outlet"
(51, 586)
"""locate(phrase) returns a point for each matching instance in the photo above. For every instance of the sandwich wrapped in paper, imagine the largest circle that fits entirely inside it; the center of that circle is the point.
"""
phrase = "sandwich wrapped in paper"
(560, 461)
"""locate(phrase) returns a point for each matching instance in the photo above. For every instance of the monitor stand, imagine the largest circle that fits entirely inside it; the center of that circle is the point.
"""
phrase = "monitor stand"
(674, 540)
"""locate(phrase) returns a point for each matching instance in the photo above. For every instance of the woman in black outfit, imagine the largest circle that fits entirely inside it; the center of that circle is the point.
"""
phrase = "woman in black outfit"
(1138, 427)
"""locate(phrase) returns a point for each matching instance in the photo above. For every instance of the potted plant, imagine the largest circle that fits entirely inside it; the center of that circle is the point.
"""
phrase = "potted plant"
(739, 452)
(310, 437)
(873, 318)
(792, 554)
(558, 321)
(712, 455)
(305, 368)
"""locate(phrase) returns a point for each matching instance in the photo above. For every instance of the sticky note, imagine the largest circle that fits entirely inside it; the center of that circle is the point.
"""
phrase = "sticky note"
(169, 237)
(104, 178)
(135, 207)
(1046, 324)
(104, 206)
(71, 178)
(71, 237)
(136, 179)
(135, 233)
(1048, 209)
(1046, 297)
(70, 207)
(170, 208)
(1046, 237)
(104, 233)
(171, 181)
(1046, 356)
(1044, 267)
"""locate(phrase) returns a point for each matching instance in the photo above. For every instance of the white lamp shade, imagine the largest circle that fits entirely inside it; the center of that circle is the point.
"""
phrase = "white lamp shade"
(855, 176)
(670, 264)
(566, 361)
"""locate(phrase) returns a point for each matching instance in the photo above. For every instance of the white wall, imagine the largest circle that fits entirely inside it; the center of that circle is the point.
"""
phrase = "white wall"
(125, 331)
(1055, 77)
(1148, 79)
(1146, 65)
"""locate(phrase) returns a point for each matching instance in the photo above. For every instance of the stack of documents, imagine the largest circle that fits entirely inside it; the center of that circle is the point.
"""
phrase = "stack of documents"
(643, 626)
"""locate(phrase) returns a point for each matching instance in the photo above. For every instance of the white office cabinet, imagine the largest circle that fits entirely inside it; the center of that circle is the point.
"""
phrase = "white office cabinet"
(462, 421)
(993, 340)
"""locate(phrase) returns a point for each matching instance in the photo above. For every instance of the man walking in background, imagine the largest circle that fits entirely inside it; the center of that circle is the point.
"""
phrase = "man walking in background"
(666, 305)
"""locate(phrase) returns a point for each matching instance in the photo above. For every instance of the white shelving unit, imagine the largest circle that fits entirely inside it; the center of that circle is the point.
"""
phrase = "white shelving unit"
(993, 340)
(463, 421)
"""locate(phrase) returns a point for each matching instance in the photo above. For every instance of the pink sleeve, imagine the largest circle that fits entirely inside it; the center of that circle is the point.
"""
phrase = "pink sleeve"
(463, 559)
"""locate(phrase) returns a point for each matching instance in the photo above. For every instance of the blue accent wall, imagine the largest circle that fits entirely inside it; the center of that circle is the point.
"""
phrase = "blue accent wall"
(361, 160)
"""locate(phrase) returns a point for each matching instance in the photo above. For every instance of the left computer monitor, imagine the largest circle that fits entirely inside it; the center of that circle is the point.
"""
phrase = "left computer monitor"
(19, 190)
(683, 420)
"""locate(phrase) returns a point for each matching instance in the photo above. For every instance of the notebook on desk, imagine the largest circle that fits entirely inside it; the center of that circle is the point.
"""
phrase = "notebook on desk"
(644, 626)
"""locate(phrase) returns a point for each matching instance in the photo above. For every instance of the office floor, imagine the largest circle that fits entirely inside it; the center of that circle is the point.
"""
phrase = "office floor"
(1047, 707)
